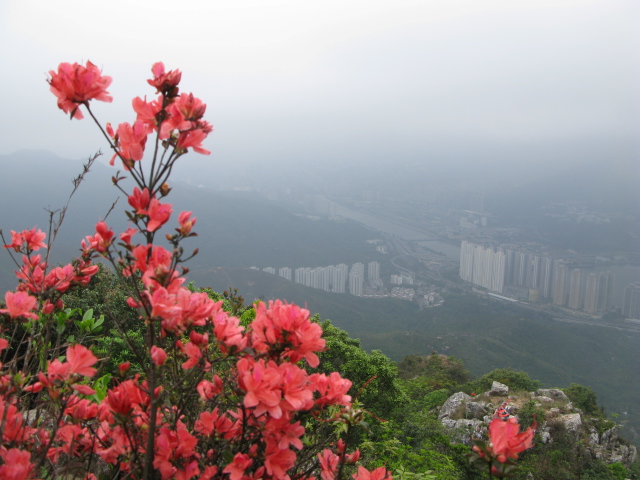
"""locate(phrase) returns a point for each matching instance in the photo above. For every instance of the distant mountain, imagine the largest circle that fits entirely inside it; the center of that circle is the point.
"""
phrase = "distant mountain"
(592, 208)
(233, 230)
(610, 185)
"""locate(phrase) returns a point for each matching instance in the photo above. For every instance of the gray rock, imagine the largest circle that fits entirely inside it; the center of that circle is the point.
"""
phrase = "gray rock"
(609, 438)
(498, 388)
(544, 399)
(461, 431)
(475, 410)
(545, 435)
(553, 393)
(452, 404)
(572, 422)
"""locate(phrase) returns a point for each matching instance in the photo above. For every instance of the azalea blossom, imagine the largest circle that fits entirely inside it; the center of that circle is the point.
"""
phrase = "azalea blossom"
(19, 304)
(289, 328)
(158, 355)
(158, 213)
(165, 82)
(130, 143)
(506, 439)
(81, 360)
(17, 464)
(74, 85)
(193, 139)
(148, 112)
(328, 464)
(186, 223)
(32, 239)
(238, 466)
(380, 473)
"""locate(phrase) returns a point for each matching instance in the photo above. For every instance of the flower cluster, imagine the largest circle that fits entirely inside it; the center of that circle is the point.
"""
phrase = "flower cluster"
(39, 286)
(214, 398)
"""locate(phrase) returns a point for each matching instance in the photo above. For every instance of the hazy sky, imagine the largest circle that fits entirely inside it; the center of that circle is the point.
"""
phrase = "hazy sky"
(342, 80)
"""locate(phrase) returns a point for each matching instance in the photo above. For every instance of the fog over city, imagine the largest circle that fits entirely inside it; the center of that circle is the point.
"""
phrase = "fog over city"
(516, 84)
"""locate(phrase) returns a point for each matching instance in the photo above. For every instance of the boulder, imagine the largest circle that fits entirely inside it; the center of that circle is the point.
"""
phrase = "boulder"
(475, 410)
(553, 393)
(452, 404)
(544, 399)
(498, 388)
(572, 422)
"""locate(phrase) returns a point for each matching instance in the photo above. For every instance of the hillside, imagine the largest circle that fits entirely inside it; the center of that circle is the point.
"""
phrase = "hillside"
(233, 230)
(485, 334)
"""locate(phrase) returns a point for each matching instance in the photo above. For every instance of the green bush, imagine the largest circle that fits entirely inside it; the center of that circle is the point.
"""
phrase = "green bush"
(584, 398)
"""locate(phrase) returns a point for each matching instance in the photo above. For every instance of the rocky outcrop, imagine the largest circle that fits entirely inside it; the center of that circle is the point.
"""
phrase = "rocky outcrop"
(466, 417)
(609, 448)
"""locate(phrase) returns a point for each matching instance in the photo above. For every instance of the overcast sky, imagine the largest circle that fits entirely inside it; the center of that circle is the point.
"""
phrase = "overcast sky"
(364, 80)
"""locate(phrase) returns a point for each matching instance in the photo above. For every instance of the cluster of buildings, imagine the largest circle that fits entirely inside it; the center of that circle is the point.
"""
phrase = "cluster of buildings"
(524, 275)
(333, 278)
(403, 278)
(631, 301)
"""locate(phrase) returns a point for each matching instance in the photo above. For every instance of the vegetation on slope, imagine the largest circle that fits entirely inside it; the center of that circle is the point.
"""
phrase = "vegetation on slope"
(401, 401)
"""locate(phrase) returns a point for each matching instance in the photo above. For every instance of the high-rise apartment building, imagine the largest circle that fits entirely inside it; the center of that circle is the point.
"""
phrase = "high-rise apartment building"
(373, 272)
(591, 293)
(560, 279)
(339, 274)
(598, 292)
(356, 279)
(575, 289)
(285, 272)
(545, 282)
(482, 266)
(631, 301)
(605, 291)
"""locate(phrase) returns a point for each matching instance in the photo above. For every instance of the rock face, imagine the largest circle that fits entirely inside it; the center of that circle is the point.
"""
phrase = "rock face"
(466, 417)
(610, 449)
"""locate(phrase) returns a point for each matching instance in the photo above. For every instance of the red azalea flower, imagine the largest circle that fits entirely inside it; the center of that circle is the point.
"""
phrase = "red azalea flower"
(81, 360)
(186, 223)
(131, 140)
(17, 464)
(380, 473)
(507, 440)
(158, 355)
(238, 466)
(19, 304)
(75, 84)
(159, 214)
(165, 81)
